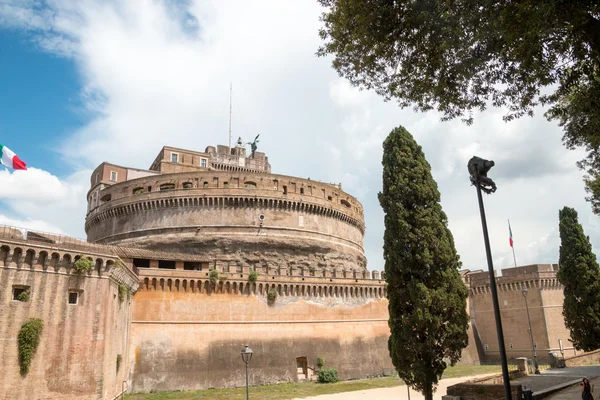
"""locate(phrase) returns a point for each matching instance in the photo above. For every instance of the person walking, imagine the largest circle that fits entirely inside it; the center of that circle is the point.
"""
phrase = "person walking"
(586, 389)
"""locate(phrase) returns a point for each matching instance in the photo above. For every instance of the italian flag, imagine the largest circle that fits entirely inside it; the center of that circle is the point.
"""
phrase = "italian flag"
(10, 159)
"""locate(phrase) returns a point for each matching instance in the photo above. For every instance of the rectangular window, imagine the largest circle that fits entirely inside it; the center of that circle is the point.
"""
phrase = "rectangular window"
(284, 189)
(203, 162)
(73, 297)
(113, 176)
(166, 264)
(205, 184)
(97, 177)
(225, 184)
(20, 293)
(175, 157)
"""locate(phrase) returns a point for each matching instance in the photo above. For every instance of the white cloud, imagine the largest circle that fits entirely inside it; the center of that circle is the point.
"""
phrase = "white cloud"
(41, 201)
(157, 73)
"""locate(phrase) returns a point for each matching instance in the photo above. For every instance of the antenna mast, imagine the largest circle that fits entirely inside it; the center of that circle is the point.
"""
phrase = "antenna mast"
(230, 91)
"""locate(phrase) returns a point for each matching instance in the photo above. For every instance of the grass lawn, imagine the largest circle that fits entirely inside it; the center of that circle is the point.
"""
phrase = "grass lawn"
(288, 391)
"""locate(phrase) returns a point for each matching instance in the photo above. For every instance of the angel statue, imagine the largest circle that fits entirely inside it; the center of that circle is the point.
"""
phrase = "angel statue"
(254, 145)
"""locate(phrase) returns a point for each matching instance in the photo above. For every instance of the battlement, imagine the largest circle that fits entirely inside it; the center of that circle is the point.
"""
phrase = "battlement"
(541, 276)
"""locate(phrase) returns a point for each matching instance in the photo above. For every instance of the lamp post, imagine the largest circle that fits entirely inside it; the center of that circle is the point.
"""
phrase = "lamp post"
(246, 357)
(535, 363)
(478, 169)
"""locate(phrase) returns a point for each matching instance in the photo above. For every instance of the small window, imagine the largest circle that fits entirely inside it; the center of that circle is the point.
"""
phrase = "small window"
(345, 203)
(149, 188)
(203, 162)
(73, 297)
(250, 185)
(113, 176)
(97, 177)
(174, 157)
(205, 184)
(225, 184)
(21, 293)
(167, 186)
(139, 190)
(301, 190)
(187, 185)
(329, 198)
(284, 189)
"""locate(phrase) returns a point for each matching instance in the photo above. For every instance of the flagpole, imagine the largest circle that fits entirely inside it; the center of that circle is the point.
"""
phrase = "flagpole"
(512, 245)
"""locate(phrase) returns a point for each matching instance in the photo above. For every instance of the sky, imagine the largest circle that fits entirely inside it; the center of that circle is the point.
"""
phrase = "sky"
(91, 81)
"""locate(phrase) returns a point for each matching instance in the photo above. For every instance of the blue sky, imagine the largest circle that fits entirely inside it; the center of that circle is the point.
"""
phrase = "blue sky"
(39, 101)
(82, 82)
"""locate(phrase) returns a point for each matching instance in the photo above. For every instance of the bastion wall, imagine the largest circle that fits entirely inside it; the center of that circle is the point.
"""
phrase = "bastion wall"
(77, 354)
(188, 333)
(544, 298)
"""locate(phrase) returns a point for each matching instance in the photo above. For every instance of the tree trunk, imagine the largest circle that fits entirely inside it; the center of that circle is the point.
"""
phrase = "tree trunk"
(428, 394)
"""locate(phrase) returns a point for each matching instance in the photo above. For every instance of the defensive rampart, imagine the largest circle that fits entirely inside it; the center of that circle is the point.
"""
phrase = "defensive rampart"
(187, 332)
(86, 322)
(542, 298)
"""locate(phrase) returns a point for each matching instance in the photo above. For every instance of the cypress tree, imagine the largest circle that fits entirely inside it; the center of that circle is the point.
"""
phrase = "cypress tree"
(580, 275)
(427, 297)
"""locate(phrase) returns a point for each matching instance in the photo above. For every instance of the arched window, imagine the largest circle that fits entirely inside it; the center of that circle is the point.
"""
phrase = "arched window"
(138, 190)
(187, 185)
(167, 186)
(251, 185)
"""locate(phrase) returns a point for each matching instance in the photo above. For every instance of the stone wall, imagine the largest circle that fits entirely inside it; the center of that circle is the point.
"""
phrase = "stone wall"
(76, 357)
(305, 223)
(544, 299)
(188, 335)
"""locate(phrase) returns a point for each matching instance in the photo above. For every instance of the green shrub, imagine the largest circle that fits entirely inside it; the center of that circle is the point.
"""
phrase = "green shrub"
(123, 292)
(320, 362)
(222, 278)
(28, 341)
(253, 276)
(138, 191)
(83, 265)
(272, 295)
(118, 362)
(213, 276)
(23, 296)
(328, 375)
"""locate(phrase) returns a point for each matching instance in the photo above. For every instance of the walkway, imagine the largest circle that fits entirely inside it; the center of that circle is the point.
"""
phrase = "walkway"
(574, 392)
(393, 393)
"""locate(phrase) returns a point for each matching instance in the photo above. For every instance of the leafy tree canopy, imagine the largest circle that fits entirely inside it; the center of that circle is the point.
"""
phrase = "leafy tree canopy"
(579, 273)
(457, 56)
(427, 298)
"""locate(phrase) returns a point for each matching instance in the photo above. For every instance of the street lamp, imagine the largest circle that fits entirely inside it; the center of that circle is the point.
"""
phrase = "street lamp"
(246, 357)
(535, 363)
(478, 169)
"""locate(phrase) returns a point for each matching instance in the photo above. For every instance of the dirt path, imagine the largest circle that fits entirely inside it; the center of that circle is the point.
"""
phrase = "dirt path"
(395, 393)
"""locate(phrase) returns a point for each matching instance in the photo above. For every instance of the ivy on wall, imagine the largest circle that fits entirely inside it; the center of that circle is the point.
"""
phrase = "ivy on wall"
(214, 276)
(83, 265)
(252, 276)
(118, 362)
(123, 292)
(23, 296)
(28, 341)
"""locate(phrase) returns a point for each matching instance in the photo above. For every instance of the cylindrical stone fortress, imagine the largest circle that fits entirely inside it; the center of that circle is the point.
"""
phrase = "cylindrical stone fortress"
(241, 216)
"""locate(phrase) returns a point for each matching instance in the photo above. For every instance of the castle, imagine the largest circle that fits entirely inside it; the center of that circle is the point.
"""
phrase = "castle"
(215, 252)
